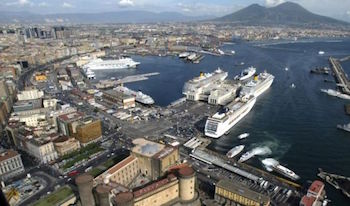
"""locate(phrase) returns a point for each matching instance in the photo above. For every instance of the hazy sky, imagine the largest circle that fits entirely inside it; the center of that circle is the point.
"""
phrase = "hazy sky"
(335, 8)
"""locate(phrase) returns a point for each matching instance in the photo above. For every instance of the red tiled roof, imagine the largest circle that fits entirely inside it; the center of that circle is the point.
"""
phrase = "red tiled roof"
(316, 186)
(307, 200)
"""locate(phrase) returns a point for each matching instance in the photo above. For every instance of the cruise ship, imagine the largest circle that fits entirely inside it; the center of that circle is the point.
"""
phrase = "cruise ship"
(258, 85)
(203, 80)
(139, 96)
(100, 64)
(272, 164)
(235, 151)
(228, 116)
(246, 73)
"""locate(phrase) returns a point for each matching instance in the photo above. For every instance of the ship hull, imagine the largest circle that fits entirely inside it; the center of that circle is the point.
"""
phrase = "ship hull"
(223, 127)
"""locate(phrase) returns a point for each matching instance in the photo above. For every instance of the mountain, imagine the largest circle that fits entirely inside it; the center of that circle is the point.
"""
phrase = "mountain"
(287, 13)
(105, 17)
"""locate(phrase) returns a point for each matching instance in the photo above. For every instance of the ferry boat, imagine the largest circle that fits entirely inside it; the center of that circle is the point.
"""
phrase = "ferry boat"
(246, 73)
(246, 156)
(243, 136)
(89, 74)
(100, 64)
(228, 116)
(273, 165)
(139, 96)
(235, 151)
(258, 85)
(345, 127)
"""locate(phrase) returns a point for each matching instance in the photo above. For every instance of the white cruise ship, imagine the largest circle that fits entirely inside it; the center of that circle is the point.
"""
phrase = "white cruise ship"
(245, 74)
(204, 80)
(139, 96)
(222, 121)
(258, 85)
(99, 64)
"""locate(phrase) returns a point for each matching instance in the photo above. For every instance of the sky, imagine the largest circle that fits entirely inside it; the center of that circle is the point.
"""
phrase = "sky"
(339, 9)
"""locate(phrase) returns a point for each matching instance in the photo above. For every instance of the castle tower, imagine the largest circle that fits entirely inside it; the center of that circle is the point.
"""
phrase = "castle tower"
(187, 181)
(85, 184)
(103, 195)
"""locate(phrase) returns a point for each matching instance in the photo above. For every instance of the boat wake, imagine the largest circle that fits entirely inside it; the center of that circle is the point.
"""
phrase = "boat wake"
(261, 151)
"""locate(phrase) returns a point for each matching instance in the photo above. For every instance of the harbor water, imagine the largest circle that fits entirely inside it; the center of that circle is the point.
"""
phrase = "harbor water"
(298, 124)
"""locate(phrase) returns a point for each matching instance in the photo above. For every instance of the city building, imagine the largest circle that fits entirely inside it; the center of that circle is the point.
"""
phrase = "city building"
(176, 188)
(43, 150)
(87, 130)
(230, 193)
(122, 173)
(30, 94)
(65, 145)
(65, 122)
(10, 164)
(122, 100)
(154, 158)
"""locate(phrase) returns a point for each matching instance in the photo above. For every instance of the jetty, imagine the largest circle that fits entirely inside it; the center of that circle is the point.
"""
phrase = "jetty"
(108, 83)
(340, 75)
(339, 182)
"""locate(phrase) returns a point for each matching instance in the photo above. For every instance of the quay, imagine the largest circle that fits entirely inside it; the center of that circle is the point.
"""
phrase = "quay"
(337, 181)
(340, 75)
(103, 84)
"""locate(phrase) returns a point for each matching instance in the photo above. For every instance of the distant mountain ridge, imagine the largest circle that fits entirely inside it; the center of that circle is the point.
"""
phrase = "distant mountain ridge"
(104, 17)
(287, 13)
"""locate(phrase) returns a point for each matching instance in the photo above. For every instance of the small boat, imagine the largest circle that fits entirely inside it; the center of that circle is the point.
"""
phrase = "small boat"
(321, 52)
(243, 136)
(246, 73)
(246, 156)
(233, 52)
(235, 151)
(286, 69)
(345, 127)
(292, 86)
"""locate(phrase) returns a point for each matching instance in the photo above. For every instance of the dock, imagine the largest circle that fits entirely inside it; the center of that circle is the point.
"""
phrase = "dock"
(337, 181)
(340, 75)
(108, 83)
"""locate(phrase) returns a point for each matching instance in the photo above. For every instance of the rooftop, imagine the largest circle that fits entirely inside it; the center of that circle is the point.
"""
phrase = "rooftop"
(146, 148)
(121, 164)
(316, 186)
(7, 154)
(71, 116)
(242, 190)
(307, 200)
(153, 186)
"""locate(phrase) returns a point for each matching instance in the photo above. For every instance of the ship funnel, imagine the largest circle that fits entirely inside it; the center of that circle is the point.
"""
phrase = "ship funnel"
(201, 74)
(255, 77)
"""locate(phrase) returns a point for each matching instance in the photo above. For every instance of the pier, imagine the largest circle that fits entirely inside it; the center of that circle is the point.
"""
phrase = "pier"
(340, 75)
(339, 182)
(103, 84)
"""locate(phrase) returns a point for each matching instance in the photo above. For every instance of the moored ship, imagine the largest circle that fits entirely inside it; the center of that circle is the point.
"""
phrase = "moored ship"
(246, 73)
(258, 85)
(235, 151)
(100, 64)
(139, 96)
(272, 164)
(228, 116)
(246, 156)
(205, 79)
